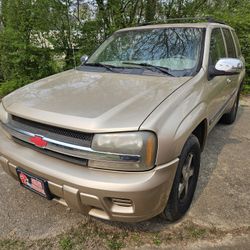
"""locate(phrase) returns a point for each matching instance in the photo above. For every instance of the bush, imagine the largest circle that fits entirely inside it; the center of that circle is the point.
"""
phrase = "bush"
(9, 86)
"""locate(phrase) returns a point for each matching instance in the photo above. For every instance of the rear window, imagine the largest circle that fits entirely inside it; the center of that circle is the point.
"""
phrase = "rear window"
(230, 43)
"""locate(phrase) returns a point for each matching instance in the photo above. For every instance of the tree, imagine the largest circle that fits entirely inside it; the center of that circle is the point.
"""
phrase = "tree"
(20, 59)
(39, 37)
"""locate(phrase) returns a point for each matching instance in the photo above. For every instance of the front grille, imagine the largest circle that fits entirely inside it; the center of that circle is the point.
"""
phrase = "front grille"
(64, 157)
(52, 132)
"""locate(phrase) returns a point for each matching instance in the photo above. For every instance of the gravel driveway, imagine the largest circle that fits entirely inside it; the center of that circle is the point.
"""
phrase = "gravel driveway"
(221, 202)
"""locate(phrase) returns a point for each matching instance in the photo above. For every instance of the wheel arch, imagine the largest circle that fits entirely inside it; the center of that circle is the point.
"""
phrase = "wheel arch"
(201, 132)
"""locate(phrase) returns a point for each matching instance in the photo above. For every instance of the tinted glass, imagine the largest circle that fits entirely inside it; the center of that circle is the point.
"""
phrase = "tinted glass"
(230, 43)
(174, 48)
(236, 42)
(217, 47)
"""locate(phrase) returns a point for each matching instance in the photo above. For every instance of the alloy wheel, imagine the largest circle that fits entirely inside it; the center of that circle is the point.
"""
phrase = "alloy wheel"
(187, 173)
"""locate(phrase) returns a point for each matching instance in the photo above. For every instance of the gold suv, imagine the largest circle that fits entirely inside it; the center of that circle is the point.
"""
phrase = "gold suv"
(120, 136)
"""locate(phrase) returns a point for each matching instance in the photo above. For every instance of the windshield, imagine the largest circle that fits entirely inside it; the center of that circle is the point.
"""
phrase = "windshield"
(177, 49)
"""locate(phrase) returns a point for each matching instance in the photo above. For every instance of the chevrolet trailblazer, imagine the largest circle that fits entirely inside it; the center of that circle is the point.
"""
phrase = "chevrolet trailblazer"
(120, 137)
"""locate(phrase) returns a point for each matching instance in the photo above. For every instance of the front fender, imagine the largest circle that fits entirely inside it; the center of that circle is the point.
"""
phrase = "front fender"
(188, 125)
(174, 120)
(174, 133)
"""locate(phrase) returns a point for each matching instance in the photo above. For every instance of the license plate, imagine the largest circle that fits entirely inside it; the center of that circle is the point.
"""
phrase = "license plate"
(34, 183)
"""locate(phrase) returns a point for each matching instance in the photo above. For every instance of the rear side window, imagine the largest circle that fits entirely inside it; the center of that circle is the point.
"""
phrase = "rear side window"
(237, 43)
(231, 51)
(217, 47)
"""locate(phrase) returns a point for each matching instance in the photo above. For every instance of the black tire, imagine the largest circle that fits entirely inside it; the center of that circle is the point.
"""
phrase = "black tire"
(179, 202)
(230, 117)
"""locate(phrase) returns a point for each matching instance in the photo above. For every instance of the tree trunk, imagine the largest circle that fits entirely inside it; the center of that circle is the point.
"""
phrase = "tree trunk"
(150, 10)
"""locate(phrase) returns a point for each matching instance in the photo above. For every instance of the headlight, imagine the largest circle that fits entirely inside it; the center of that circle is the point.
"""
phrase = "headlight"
(3, 114)
(142, 144)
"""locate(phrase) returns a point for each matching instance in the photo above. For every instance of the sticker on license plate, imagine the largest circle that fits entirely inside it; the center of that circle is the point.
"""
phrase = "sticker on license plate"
(34, 183)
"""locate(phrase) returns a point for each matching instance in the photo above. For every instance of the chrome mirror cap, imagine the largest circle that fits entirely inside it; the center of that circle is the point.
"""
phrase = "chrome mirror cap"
(229, 65)
(84, 59)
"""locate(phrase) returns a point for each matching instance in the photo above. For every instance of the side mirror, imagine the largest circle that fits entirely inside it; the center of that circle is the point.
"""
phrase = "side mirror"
(226, 66)
(84, 59)
(229, 65)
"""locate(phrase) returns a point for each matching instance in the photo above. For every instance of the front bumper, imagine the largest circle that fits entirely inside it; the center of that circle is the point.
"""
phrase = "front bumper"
(111, 195)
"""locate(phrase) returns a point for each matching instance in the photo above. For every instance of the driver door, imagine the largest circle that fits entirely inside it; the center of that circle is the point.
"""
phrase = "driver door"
(216, 86)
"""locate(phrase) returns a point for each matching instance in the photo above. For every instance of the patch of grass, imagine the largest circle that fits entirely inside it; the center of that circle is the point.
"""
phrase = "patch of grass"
(12, 244)
(157, 239)
(44, 244)
(91, 235)
(88, 234)
(136, 239)
(94, 230)
(196, 232)
(115, 242)
(65, 243)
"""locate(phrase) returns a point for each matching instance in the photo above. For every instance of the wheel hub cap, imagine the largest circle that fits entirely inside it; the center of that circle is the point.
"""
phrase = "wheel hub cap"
(187, 173)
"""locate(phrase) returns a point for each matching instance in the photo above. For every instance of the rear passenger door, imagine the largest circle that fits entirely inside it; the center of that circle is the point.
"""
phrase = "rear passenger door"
(232, 80)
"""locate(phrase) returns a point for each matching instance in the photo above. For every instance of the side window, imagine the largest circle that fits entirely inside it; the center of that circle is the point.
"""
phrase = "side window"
(237, 43)
(217, 47)
(231, 51)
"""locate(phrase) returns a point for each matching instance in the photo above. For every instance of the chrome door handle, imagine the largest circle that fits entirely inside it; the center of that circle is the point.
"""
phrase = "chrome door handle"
(229, 80)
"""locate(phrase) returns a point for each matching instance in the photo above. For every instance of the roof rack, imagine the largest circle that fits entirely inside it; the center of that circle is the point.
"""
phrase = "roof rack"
(208, 19)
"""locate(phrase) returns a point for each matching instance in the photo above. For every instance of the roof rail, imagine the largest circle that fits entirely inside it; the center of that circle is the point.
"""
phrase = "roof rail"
(208, 19)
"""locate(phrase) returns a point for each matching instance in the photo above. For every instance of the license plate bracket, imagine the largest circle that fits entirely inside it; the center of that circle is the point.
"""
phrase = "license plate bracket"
(34, 183)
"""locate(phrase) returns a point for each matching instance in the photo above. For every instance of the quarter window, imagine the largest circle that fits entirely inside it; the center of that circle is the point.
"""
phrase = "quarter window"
(230, 43)
(217, 47)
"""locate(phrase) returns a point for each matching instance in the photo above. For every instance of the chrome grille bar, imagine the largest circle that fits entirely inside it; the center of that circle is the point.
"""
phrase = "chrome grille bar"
(71, 149)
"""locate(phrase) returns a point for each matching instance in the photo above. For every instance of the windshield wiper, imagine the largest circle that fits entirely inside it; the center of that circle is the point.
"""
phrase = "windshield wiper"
(106, 66)
(151, 67)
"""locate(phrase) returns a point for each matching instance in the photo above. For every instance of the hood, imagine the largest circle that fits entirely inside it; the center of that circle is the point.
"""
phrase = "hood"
(92, 101)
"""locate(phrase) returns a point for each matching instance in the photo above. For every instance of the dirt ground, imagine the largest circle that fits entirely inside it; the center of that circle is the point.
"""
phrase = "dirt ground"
(218, 219)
